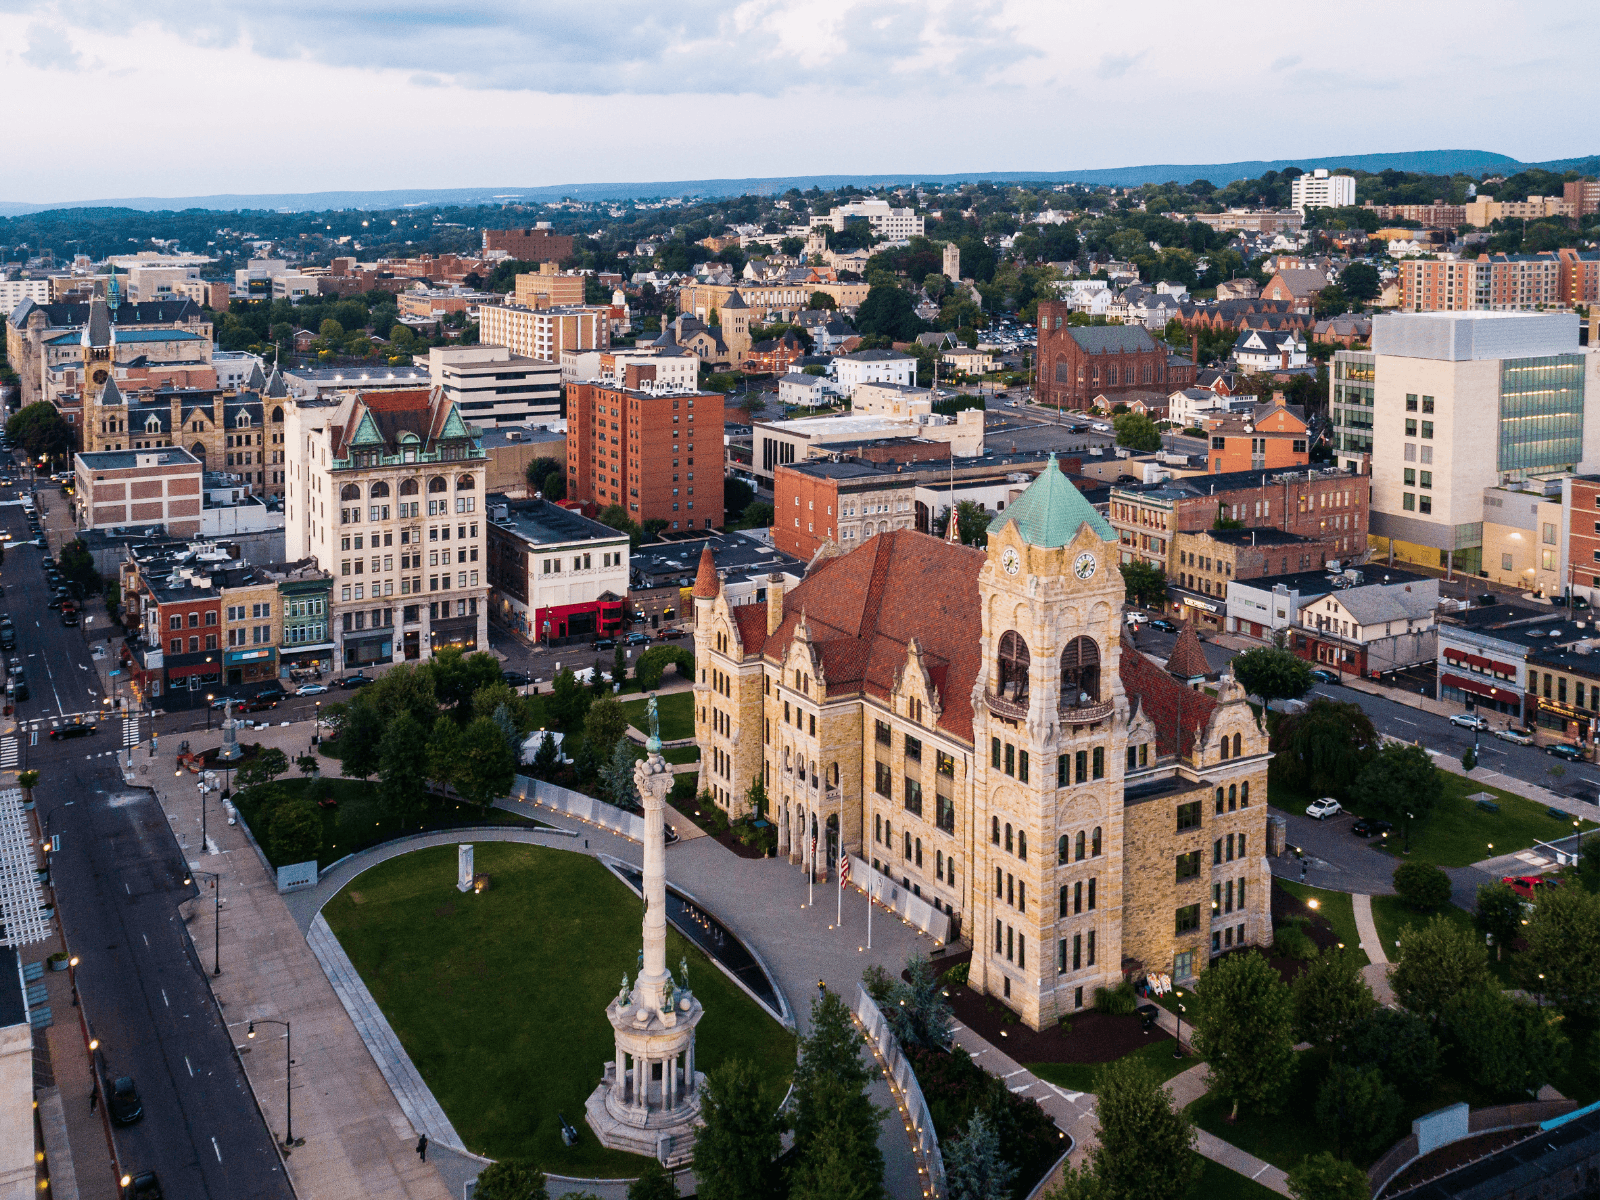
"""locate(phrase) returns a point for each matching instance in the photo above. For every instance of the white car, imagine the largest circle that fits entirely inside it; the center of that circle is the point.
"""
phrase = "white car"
(1101, 428)
(1135, 618)
(312, 689)
(1324, 808)
(1515, 736)
(1469, 721)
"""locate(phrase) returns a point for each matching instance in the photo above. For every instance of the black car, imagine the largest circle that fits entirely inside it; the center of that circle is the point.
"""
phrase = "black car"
(1322, 676)
(71, 731)
(516, 678)
(256, 704)
(1164, 625)
(1563, 751)
(605, 643)
(123, 1103)
(143, 1186)
(1370, 827)
(638, 638)
(273, 693)
(354, 681)
(55, 602)
(69, 618)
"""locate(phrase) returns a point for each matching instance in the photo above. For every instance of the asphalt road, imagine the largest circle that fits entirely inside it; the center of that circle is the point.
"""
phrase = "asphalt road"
(118, 879)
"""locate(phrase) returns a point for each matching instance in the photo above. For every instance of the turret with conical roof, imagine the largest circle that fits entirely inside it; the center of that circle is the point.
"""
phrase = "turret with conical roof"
(706, 583)
(1051, 510)
(255, 381)
(276, 388)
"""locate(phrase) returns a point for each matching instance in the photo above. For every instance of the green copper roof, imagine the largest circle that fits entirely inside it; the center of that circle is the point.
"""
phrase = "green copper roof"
(1051, 510)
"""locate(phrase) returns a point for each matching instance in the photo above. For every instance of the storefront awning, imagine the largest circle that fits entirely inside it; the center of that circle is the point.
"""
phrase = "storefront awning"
(1506, 694)
(259, 654)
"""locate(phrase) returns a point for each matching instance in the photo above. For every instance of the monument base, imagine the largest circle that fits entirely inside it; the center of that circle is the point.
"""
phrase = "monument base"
(666, 1136)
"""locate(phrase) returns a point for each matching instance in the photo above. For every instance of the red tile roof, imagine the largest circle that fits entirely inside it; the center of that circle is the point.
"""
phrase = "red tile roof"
(705, 583)
(1177, 711)
(1188, 661)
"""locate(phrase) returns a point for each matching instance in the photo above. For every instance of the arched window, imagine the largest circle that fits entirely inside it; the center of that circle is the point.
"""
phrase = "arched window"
(1224, 746)
(1219, 799)
(350, 491)
(437, 484)
(1237, 742)
(1022, 844)
(1095, 841)
(1061, 849)
(408, 487)
(1066, 904)
(1013, 666)
(994, 833)
(242, 421)
(379, 489)
(1244, 794)
(199, 451)
(465, 483)
(1009, 842)
(1079, 854)
(1080, 673)
(1233, 797)
(277, 415)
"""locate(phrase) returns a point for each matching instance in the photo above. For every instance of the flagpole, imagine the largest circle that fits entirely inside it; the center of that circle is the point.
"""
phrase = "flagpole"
(838, 907)
(868, 891)
(811, 874)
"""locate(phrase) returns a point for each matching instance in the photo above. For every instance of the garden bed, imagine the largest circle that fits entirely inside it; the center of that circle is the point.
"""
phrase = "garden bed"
(1092, 1037)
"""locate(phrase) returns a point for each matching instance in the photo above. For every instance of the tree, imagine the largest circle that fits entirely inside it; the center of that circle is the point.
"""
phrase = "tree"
(735, 1148)
(1400, 783)
(457, 677)
(512, 1180)
(1144, 583)
(406, 688)
(736, 496)
(42, 431)
(653, 1183)
(1422, 885)
(616, 775)
(263, 768)
(1244, 1026)
(829, 1169)
(605, 723)
(1360, 282)
(1330, 998)
(890, 312)
(358, 740)
(444, 751)
(757, 515)
(1137, 432)
(1324, 1177)
(1563, 937)
(916, 1010)
(973, 1167)
(821, 300)
(1357, 1107)
(295, 830)
(493, 697)
(1145, 1145)
(1438, 961)
(539, 470)
(485, 768)
(972, 523)
(403, 767)
(1323, 750)
(832, 1050)
(1272, 674)
(1505, 1045)
(569, 703)
(1330, 301)
(1398, 1043)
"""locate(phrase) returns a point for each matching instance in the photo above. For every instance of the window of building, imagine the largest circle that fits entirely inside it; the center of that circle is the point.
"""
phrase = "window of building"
(1188, 865)
(1187, 919)
(1188, 817)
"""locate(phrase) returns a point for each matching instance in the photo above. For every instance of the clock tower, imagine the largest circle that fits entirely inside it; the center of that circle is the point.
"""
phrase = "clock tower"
(1050, 731)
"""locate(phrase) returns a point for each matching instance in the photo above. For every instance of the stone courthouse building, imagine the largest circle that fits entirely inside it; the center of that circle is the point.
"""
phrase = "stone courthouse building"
(968, 721)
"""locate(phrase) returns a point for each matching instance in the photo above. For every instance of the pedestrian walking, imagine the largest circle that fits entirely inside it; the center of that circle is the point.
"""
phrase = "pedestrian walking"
(422, 1147)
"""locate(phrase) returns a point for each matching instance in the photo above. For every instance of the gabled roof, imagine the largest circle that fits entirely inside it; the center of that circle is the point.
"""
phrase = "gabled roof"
(1112, 339)
(1051, 510)
(1188, 660)
(1175, 710)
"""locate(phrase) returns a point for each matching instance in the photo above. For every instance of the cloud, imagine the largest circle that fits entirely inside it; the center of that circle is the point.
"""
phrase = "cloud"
(49, 48)
(1284, 63)
(1115, 66)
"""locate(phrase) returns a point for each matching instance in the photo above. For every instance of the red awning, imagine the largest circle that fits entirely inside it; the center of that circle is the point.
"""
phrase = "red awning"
(1505, 692)
(194, 669)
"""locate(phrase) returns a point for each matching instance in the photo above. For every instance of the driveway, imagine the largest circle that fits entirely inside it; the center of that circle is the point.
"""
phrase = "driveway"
(1334, 857)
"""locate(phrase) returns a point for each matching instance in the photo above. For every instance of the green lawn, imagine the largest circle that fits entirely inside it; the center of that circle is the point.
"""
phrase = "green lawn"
(1283, 1138)
(500, 998)
(1217, 1182)
(1080, 1077)
(681, 754)
(1337, 908)
(1393, 916)
(677, 715)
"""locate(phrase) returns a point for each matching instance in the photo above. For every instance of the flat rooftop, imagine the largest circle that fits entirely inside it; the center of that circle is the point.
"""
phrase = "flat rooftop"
(546, 523)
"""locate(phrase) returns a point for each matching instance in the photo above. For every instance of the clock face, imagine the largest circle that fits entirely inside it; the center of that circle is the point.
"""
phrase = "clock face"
(100, 375)
(1083, 566)
(1010, 561)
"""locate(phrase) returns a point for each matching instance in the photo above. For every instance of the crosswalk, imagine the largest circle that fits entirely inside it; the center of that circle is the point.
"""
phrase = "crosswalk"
(10, 753)
(130, 731)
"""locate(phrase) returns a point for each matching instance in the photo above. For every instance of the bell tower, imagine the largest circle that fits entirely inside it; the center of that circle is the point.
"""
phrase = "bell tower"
(735, 317)
(104, 415)
(1050, 728)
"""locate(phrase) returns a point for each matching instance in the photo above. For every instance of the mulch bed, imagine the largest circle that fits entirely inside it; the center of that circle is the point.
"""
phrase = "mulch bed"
(1457, 1154)
(1286, 908)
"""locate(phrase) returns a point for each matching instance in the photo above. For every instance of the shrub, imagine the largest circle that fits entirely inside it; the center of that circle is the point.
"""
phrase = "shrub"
(1119, 1001)
(957, 973)
(1356, 1106)
(878, 982)
(1292, 941)
(1422, 885)
(1400, 1045)
(295, 831)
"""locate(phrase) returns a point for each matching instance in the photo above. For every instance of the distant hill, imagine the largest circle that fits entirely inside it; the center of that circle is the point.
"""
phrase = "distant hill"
(1436, 162)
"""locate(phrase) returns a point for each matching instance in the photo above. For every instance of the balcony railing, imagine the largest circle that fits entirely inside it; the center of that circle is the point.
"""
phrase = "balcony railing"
(1012, 710)
(1085, 714)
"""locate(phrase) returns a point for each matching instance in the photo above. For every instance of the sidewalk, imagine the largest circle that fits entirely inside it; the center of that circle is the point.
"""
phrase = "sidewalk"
(357, 1141)
(1376, 972)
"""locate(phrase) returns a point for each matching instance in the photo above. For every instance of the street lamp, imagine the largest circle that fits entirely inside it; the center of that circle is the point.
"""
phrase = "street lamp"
(288, 1075)
(1408, 833)
(316, 738)
(216, 917)
(1177, 1046)
(209, 699)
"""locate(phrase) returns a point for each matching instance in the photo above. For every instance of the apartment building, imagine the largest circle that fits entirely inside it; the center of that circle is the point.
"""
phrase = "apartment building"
(1258, 221)
(549, 287)
(489, 385)
(1462, 402)
(1320, 189)
(1272, 436)
(1484, 210)
(636, 448)
(305, 604)
(1579, 280)
(873, 366)
(1437, 215)
(528, 245)
(554, 573)
(1583, 195)
(972, 727)
(385, 490)
(891, 224)
(844, 502)
(545, 333)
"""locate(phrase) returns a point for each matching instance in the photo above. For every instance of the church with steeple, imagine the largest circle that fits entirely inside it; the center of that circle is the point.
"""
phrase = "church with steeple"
(969, 724)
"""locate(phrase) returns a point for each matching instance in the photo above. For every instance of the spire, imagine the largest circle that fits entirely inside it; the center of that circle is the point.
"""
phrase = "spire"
(256, 380)
(734, 300)
(1188, 660)
(111, 395)
(275, 385)
(1051, 510)
(97, 330)
(706, 584)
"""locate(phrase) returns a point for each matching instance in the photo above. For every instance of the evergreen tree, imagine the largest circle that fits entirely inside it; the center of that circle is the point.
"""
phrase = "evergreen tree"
(735, 1149)
(654, 1183)
(832, 1050)
(616, 776)
(973, 1168)
(916, 1009)
(547, 758)
(1324, 1177)
(1358, 1109)
(829, 1170)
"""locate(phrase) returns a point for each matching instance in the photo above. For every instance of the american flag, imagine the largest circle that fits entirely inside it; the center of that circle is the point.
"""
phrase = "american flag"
(844, 869)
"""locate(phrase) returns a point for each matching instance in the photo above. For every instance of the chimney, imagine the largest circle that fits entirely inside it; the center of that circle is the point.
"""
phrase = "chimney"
(774, 603)
(1194, 349)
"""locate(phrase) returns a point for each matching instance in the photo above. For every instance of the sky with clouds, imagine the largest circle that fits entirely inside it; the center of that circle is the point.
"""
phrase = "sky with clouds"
(186, 97)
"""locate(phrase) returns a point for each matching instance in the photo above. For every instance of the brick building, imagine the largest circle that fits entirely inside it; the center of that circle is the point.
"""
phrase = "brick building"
(1437, 215)
(137, 487)
(529, 245)
(554, 573)
(1578, 281)
(1078, 363)
(843, 502)
(636, 448)
(972, 726)
(1494, 282)
(1583, 537)
(547, 288)
(1207, 562)
(1271, 437)
(545, 333)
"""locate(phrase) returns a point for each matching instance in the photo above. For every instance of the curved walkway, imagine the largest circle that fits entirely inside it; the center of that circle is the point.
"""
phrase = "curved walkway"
(1376, 972)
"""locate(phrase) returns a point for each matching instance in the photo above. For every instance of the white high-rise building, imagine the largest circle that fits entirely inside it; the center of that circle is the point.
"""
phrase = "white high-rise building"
(890, 223)
(1322, 190)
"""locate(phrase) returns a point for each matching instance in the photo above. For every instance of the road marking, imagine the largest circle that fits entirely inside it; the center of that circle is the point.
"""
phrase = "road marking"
(188, 1064)
(1018, 1071)
(127, 889)
(146, 938)
(164, 999)
(1403, 721)
(214, 1147)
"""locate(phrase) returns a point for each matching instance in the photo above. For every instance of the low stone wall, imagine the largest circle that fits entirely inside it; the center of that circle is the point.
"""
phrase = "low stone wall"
(903, 1081)
(1482, 1120)
(577, 805)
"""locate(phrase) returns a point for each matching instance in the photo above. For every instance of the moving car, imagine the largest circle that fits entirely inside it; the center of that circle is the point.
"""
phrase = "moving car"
(123, 1101)
(1527, 886)
(256, 704)
(1563, 751)
(1322, 676)
(71, 731)
(355, 681)
(1469, 721)
(1101, 427)
(605, 643)
(638, 638)
(670, 634)
(312, 689)
(143, 1186)
(1370, 827)
(1164, 625)
(1324, 808)
(1508, 734)
(515, 678)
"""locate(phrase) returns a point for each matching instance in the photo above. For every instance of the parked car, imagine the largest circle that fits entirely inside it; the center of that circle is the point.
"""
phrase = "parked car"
(1527, 886)
(1101, 427)
(123, 1101)
(670, 634)
(1135, 619)
(1469, 721)
(71, 731)
(1370, 827)
(1562, 750)
(256, 704)
(638, 638)
(143, 1186)
(1508, 734)
(1322, 676)
(516, 678)
(275, 693)
(1164, 625)
(1324, 808)
(55, 601)
(311, 689)
(605, 643)
(355, 681)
